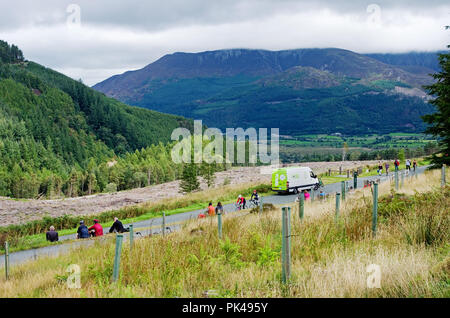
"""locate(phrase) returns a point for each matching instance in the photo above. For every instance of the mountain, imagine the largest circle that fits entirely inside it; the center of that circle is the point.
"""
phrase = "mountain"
(300, 91)
(55, 131)
(414, 62)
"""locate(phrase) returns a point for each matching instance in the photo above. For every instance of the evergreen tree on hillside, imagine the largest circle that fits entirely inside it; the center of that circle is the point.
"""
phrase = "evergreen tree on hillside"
(10, 54)
(439, 122)
(189, 178)
(207, 171)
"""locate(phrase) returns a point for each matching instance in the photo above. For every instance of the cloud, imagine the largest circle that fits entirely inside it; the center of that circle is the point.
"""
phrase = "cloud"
(117, 36)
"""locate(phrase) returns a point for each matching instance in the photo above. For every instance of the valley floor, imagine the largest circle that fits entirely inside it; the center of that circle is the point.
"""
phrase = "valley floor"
(22, 211)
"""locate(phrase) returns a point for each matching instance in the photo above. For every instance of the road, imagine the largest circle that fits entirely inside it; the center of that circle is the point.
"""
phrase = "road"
(173, 222)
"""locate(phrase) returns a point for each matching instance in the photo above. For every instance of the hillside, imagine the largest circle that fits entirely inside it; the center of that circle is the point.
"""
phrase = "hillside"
(328, 90)
(52, 129)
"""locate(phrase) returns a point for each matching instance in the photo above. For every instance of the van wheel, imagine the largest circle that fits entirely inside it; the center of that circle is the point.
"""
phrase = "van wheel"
(295, 190)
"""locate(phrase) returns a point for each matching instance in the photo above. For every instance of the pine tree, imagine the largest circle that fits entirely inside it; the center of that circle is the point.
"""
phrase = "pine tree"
(439, 122)
(189, 179)
(208, 171)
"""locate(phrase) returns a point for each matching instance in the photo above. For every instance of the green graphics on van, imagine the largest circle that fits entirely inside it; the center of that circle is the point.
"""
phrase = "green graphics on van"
(279, 179)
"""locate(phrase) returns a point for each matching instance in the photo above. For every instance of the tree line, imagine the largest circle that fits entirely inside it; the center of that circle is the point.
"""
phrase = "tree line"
(10, 54)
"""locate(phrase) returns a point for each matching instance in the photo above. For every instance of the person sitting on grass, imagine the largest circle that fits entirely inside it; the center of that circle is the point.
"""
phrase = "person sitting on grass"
(52, 235)
(82, 232)
(117, 227)
(96, 229)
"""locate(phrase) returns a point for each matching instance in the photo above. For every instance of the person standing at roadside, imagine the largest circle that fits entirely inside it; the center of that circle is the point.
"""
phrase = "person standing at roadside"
(306, 195)
(396, 164)
(211, 210)
(380, 168)
(219, 208)
(414, 165)
(386, 166)
(408, 166)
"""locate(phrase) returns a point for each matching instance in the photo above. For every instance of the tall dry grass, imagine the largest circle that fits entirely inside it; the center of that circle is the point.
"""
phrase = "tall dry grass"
(329, 258)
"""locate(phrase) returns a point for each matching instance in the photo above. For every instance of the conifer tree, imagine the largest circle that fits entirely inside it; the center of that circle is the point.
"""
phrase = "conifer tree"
(439, 122)
(189, 178)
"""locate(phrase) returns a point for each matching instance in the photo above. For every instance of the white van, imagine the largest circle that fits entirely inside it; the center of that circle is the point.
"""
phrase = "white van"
(294, 179)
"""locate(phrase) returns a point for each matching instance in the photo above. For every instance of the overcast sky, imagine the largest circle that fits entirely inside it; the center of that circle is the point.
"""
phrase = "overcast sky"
(95, 39)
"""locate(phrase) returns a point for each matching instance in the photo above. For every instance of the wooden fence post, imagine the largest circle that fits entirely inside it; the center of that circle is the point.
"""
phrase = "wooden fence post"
(338, 204)
(131, 236)
(396, 179)
(219, 224)
(164, 224)
(375, 209)
(355, 180)
(286, 246)
(7, 260)
(403, 179)
(343, 190)
(301, 203)
(116, 270)
(443, 181)
(261, 205)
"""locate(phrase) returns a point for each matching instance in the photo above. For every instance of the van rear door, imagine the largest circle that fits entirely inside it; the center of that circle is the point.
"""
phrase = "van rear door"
(279, 179)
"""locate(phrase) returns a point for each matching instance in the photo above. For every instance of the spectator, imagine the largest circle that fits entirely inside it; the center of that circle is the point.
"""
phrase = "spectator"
(52, 235)
(96, 229)
(396, 164)
(219, 208)
(408, 166)
(117, 226)
(414, 165)
(321, 195)
(380, 168)
(83, 232)
(386, 165)
(307, 196)
(211, 211)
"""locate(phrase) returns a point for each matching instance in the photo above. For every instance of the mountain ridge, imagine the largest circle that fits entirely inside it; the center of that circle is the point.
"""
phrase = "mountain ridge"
(220, 86)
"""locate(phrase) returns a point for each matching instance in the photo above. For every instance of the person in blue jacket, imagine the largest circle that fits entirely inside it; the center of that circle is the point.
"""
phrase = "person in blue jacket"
(83, 232)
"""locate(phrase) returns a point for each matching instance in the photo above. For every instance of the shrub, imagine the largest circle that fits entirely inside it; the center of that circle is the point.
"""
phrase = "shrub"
(111, 188)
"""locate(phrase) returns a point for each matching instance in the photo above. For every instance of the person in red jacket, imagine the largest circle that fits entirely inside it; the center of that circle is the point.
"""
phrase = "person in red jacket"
(397, 164)
(96, 229)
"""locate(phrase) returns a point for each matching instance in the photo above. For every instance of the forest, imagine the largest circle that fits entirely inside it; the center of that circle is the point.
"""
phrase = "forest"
(60, 138)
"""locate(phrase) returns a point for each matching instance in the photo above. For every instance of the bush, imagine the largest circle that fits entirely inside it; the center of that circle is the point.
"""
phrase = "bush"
(111, 188)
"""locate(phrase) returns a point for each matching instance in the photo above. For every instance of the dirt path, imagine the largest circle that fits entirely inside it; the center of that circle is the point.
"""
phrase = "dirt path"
(21, 211)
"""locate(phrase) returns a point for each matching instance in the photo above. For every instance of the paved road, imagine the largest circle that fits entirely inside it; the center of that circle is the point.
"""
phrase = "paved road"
(154, 226)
